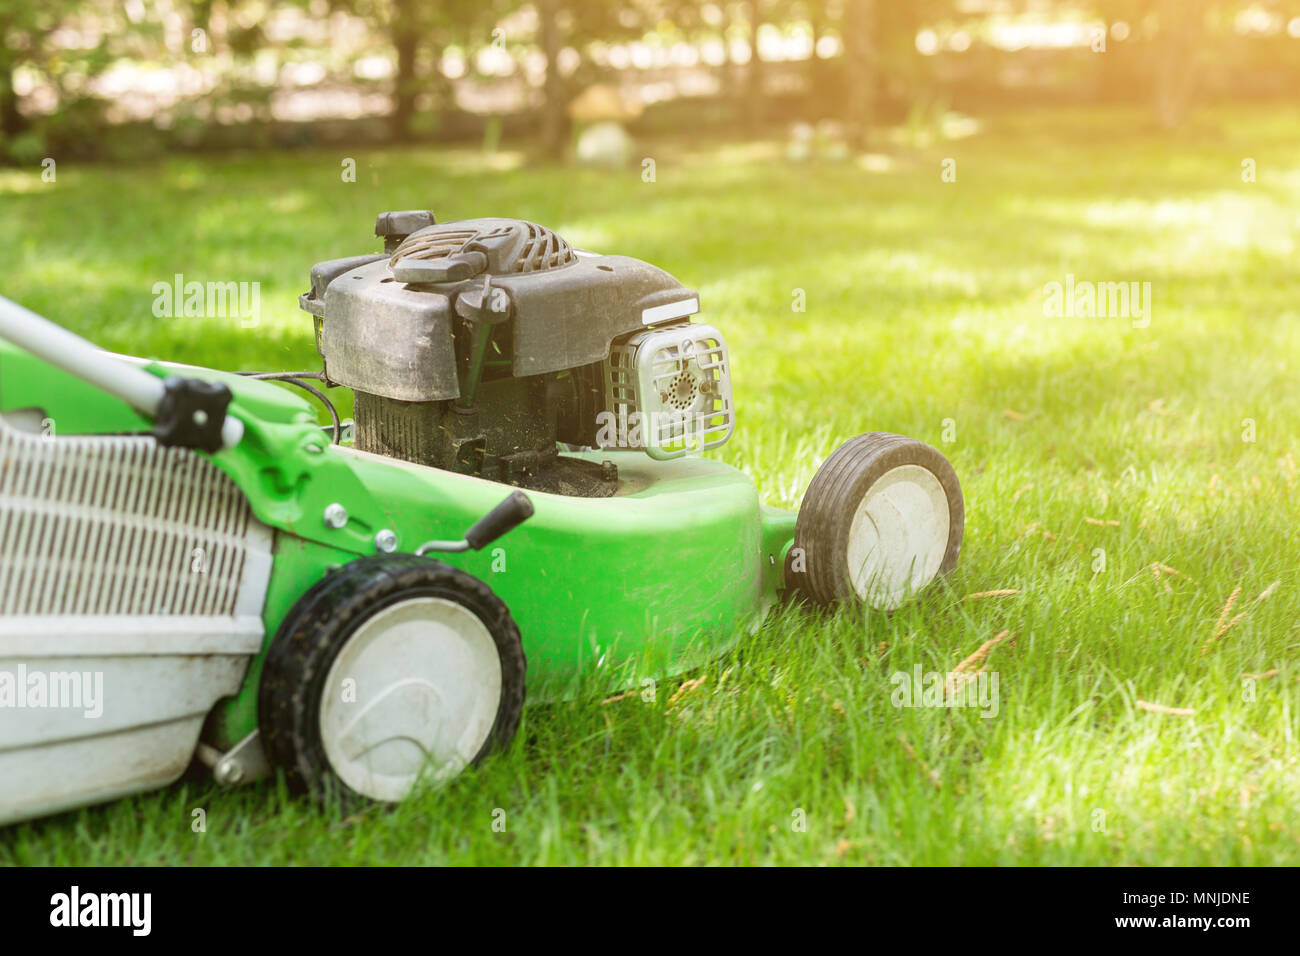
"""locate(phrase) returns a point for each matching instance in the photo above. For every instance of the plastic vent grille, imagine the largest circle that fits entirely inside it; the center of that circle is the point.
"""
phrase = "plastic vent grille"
(112, 526)
(432, 245)
(542, 249)
(539, 248)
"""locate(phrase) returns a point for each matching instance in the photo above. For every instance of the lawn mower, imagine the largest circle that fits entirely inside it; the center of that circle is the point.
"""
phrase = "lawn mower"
(193, 571)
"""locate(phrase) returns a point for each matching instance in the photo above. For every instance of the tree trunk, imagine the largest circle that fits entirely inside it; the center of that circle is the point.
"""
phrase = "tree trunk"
(729, 85)
(860, 70)
(754, 74)
(553, 98)
(1180, 27)
(12, 122)
(814, 75)
(406, 40)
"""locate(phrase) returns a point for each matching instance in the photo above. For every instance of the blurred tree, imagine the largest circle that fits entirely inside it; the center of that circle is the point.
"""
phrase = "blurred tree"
(575, 25)
(63, 46)
(756, 15)
(1172, 37)
(12, 122)
(419, 32)
(819, 16)
(554, 97)
(860, 38)
(754, 12)
(25, 29)
(1180, 25)
(879, 40)
(407, 23)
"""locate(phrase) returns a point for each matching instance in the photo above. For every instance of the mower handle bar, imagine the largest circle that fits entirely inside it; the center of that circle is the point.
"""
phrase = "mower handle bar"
(76, 356)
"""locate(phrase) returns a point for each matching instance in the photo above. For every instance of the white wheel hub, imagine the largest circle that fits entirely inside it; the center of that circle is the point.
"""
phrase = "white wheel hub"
(415, 690)
(898, 537)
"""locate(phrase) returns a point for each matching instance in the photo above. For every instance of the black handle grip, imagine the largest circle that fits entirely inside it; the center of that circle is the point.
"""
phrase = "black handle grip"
(507, 516)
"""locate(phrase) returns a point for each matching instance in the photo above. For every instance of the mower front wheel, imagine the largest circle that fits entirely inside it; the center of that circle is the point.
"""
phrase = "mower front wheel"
(392, 670)
(882, 518)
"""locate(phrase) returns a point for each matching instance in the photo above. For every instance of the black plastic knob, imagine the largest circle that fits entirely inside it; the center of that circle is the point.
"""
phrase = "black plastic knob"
(510, 514)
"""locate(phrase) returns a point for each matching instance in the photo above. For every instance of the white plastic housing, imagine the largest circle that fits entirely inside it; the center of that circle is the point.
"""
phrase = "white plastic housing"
(132, 580)
(669, 390)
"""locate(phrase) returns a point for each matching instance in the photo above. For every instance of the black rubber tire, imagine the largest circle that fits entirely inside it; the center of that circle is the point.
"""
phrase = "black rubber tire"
(319, 625)
(832, 498)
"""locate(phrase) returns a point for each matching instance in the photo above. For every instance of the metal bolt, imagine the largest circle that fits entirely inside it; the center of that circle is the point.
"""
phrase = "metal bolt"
(386, 540)
(228, 773)
(336, 516)
(200, 417)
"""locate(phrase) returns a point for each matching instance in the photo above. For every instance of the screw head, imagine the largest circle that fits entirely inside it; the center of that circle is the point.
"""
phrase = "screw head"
(386, 540)
(336, 516)
(200, 417)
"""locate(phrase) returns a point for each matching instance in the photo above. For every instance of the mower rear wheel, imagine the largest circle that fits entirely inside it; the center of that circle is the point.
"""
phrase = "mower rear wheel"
(391, 671)
(882, 518)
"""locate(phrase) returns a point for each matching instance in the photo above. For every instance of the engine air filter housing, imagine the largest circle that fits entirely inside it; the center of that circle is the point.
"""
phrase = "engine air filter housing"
(668, 391)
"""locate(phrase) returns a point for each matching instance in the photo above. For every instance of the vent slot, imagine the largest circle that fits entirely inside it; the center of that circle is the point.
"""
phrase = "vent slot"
(432, 245)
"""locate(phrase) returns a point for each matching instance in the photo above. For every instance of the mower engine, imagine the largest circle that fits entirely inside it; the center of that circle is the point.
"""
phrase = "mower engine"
(479, 346)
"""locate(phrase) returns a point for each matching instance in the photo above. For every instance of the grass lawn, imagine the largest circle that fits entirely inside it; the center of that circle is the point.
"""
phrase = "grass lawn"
(1090, 451)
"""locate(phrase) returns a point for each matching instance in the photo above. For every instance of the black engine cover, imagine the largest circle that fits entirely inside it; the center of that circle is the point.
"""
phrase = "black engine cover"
(390, 337)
